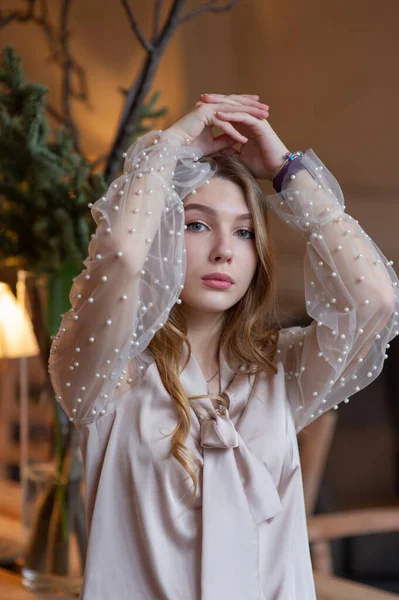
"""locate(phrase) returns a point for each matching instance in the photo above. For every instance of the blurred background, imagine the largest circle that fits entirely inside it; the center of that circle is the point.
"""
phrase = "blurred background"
(328, 72)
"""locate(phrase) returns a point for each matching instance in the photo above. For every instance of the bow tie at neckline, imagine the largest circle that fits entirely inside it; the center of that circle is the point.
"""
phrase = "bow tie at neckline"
(238, 491)
(217, 430)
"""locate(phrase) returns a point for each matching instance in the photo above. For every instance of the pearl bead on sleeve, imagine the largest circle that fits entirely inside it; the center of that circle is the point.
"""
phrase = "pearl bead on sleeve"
(131, 278)
(351, 293)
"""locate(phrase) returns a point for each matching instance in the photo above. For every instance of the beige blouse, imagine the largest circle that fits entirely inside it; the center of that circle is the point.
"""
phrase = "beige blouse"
(245, 536)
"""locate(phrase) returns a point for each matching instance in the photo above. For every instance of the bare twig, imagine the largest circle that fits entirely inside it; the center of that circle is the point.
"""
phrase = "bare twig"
(208, 7)
(67, 69)
(135, 96)
(18, 15)
(58, 42)
(138, 91)
(157, 20)
(101, 159)
(55, 114)
(66, 83)
(136, 27)
(73, 76)
(43, 20)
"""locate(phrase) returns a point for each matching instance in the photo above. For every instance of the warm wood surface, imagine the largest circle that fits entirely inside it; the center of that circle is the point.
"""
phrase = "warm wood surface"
(12, 589)
(10, 499)
(354, 522)
(328, 588)
(318, 434)
(10, 529)
(334, 588)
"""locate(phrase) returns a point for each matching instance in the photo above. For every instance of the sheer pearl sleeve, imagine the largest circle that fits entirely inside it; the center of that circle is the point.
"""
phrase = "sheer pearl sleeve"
(351, 292)
(132, 277)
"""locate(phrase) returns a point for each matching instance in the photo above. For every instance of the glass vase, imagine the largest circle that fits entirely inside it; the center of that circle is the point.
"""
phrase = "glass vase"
(52, 476)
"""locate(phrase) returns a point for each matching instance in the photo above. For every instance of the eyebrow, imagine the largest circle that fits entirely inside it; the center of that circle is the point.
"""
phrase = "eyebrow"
(211, 211)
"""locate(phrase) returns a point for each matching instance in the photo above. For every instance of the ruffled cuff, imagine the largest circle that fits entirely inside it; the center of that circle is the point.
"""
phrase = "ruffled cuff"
(351, 293)
(310, 195)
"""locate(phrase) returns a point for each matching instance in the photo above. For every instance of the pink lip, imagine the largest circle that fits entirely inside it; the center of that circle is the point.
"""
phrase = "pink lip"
(219, 276)
(217, 283)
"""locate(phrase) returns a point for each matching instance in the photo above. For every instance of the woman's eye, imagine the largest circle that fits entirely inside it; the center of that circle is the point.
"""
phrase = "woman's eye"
(194, 223)
(245, 237)
(252, 234)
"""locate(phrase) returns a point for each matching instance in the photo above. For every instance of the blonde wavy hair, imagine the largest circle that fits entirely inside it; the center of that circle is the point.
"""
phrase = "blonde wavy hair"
(249, 329)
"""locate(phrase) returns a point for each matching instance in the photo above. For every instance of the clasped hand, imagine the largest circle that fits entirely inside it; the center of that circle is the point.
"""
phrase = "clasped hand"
(243, 119)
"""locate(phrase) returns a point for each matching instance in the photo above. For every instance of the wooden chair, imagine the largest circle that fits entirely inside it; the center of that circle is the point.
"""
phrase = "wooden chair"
(335, 588)
(314, 444)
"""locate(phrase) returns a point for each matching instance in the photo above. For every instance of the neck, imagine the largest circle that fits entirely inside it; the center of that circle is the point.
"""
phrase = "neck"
(203, 333)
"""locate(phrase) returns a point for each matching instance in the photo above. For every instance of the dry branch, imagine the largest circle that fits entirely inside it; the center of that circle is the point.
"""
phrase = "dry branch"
(58, 40)
(208, 7)
(135, 96)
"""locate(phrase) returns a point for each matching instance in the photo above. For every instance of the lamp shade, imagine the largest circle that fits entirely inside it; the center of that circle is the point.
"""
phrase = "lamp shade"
(17, 337)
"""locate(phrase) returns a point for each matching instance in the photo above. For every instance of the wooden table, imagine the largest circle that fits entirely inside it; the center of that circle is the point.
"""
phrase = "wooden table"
(12, 589)
(327, 589)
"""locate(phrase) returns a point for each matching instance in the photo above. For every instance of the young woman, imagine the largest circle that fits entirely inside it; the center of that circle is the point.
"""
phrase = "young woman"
(186, 393)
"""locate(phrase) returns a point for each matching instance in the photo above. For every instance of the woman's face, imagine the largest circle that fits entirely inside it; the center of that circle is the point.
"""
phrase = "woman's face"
(219, 238)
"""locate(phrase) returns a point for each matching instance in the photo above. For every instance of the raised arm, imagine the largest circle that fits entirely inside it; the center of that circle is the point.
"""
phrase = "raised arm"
(351, 293)
(136, 265)
(132, 276)
(351, 289)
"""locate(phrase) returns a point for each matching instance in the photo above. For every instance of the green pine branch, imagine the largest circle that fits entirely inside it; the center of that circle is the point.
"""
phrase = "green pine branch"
(45, 184)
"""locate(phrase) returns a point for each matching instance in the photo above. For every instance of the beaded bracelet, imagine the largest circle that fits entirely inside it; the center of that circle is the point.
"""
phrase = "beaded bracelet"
(290, 156)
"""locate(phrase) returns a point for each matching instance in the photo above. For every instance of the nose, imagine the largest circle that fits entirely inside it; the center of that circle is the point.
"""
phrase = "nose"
(222, 247)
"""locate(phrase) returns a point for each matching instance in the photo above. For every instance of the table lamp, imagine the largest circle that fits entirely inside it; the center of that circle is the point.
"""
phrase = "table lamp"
(17, 340)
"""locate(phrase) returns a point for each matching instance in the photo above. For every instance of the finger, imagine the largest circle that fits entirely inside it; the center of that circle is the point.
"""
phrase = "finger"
(217, 99)
(261, 113)
(244, 118)
(254, 97)
(230, 152)
(223, 103)
(230, 130)
(233, 99)
(208, 110)
(223, 143)
(247, 101)
(241, 117)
